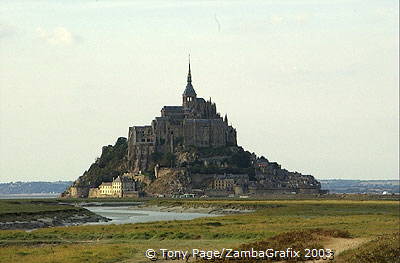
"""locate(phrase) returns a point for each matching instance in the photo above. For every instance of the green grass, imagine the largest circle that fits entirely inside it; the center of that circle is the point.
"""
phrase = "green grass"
(77, 253)
(384, 249)
(296, 240)
(30, 206)
(366, 219)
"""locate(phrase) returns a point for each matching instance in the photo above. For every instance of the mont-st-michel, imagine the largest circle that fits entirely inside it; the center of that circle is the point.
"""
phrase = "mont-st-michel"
(188, 151)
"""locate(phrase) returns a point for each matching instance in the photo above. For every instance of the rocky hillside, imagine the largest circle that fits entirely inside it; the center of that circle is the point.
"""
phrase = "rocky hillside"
(177, 170)
(218, 160)
(111, 163)
(170, 181)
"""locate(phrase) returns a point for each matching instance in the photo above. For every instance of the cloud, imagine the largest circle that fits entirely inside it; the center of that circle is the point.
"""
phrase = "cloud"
(58, 36)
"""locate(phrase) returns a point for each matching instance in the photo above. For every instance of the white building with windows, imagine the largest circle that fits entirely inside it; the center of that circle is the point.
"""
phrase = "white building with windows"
(120, 186)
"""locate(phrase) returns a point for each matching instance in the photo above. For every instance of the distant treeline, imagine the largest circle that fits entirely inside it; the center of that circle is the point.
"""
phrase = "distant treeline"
(34, 187)
(361, 186)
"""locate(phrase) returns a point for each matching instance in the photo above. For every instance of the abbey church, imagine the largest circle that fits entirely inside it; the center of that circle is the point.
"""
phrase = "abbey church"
(195, 123)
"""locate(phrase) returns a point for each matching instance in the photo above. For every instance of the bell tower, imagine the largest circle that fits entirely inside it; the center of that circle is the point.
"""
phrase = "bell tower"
(189, 95)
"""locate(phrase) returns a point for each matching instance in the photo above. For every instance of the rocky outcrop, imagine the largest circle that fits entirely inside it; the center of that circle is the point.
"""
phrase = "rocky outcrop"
(184, 157)
(170, 181)
(194, 168)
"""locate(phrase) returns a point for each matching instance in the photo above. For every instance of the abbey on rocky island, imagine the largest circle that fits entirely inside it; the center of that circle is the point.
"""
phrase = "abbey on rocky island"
(190, 150)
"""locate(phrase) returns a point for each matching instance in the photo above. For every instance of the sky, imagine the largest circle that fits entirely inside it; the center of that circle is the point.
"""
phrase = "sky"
(310, 84)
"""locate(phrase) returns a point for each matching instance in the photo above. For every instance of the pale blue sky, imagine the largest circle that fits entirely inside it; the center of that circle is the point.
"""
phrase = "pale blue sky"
(310, 84)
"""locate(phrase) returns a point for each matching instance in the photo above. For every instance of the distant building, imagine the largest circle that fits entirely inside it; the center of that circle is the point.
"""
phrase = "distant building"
(106, 189)
(227, 182)
(121, 186)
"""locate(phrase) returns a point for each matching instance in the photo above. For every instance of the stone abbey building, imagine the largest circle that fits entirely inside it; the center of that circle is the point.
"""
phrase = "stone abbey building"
(195, 123)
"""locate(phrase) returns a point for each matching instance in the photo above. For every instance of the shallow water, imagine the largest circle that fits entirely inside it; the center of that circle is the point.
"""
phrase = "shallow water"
(129, 214)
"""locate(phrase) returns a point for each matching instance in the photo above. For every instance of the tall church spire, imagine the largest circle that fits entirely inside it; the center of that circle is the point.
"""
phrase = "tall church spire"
(189, 77)
(189, 90)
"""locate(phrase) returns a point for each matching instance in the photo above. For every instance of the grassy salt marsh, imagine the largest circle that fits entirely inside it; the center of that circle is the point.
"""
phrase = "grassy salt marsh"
(361, 221)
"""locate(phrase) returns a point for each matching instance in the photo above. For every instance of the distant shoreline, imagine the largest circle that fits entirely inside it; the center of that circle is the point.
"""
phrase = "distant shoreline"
(29, 196)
